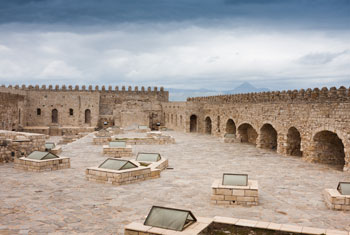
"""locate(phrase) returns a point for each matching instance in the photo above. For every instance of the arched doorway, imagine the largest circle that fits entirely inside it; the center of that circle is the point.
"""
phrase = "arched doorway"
(293, 142)
(230, 127)
(193, 123)
(208, 126)
(247, 133)
(54, 116)
(329, 149)
(268, 137)
(87, 116)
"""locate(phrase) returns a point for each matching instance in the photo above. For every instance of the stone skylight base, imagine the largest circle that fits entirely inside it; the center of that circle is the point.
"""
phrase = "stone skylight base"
(117, 152)
(129, 176)
(335, 200)
(56, 150)
(41, 165)
(235, 195)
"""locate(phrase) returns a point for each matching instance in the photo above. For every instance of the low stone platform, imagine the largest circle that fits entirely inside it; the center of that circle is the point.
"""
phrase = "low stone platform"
(58, 131)
(235, 195)
(17, 144)
(56, 150)
(230, 138)
(159, 140)
(66, 139)
(336, 201)
(98, 140)
(117, 152)
(41, 165)
(228, 225)
(121, 177)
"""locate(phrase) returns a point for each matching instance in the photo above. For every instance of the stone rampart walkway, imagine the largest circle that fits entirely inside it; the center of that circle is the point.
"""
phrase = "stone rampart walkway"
(290, 190)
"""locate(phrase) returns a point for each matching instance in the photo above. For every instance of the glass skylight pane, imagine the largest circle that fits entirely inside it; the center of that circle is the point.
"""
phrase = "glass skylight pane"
(128, 165)
(344, 188)
(49, 156)
(112, 164)
(117, 144)
(167, 218)
(36, 155)
(235, 179)
(148, 157)
(49, 145)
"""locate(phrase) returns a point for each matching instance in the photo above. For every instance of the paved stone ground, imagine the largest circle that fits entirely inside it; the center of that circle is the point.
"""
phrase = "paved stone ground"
(290, 190)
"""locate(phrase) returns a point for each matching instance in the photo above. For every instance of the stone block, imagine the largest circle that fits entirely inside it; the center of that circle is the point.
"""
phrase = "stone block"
(218, 197)
(223, 191)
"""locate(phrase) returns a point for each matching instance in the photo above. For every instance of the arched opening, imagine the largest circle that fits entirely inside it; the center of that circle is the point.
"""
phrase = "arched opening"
(247, 133)
(19, 116)
(71, 112)
(87, 116)
(293, 142)
(208, 125)
(175, 119)
(230, 127)
(38, 111)
(54, 116)
(329, 148)
(193, 123)
(181, 120)
(268, 137)
(172, 119)
(218, 124)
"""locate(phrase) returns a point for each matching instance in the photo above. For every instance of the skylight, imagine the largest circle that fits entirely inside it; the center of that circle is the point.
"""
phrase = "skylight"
(169, 218)
(235, 179)
(148, 157)
(344, 188)
(117, 144)
(49, 146)
(117, 164)
(37, 155)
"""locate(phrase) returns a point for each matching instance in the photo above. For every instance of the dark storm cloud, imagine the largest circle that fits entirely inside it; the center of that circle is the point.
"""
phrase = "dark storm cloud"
(210, 44)
(306, 13)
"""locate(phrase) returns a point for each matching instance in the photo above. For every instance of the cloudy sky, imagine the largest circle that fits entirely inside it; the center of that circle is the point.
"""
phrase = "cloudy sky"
(211, 44)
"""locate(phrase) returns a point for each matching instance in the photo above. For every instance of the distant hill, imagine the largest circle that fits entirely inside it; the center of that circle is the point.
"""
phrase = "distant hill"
(183, 94)
(245, 87)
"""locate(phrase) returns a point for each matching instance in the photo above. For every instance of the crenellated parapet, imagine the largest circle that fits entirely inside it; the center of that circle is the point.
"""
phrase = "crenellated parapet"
(333, 94)
(89, 88)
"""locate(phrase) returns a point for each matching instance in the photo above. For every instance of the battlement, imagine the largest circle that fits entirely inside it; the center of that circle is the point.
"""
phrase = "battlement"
(89, 88)
(333, 94)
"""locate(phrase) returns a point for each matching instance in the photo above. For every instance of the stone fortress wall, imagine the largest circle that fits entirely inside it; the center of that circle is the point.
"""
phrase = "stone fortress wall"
(311, 124)
(11, 114)
(59, 110)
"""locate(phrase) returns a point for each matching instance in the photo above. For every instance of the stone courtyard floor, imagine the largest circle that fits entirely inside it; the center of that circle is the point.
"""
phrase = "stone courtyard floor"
(63, 202)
